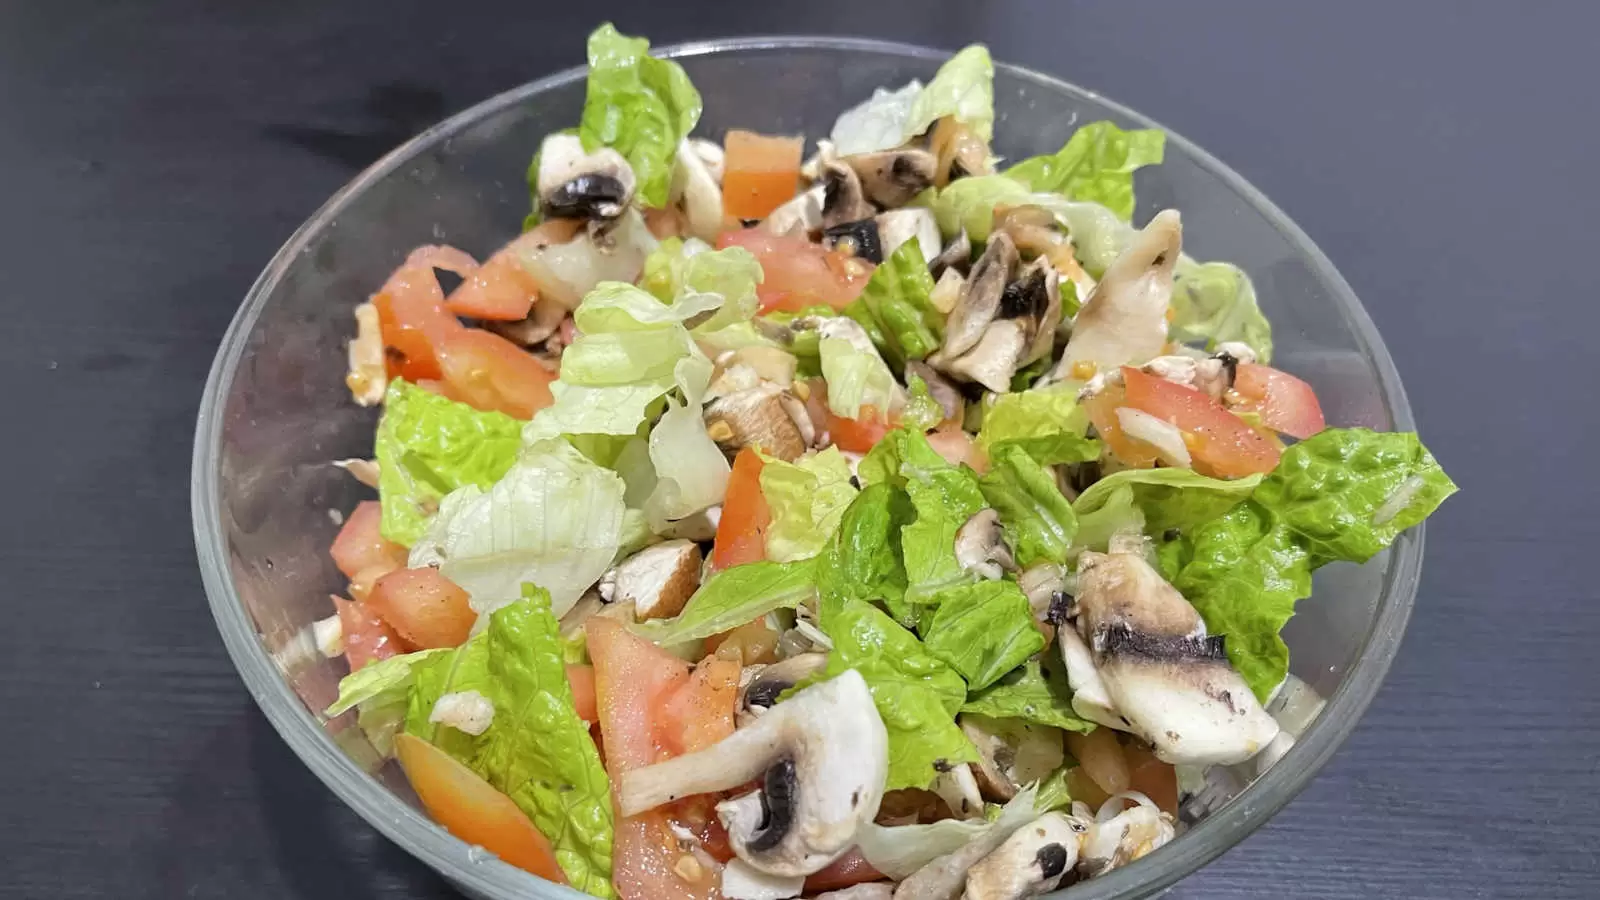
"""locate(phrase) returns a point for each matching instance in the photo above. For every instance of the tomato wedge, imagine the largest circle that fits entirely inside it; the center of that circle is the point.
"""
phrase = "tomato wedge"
(501, 289)
(1284, 402)
(796, 273)
(581, 679)
(760, 172)
(493, 374)
(1102, 409)
(1221, 444)
(700, 713)
(426, 608)
(741, 532)
(367, 638)
(413, 318)
(360, 546)
(469, 808)
(1155, 779)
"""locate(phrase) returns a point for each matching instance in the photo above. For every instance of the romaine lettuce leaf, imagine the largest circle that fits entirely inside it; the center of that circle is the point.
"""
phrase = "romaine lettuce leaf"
(640, 105)
(1215, 302)
(856, 375)
(968, 203)
(681, 271)
(464, 668)
(428, 446)
(381, 690)
(1037, 692)
(1096, 165)
(963, 88)
(982, 630)
(1038, 521)
(807, 498)
(922, 412)
(943, 497)
(691, 471)
(734, 596)
(896, 296)
(863, 561)
(1046, 423)
(1161, 499)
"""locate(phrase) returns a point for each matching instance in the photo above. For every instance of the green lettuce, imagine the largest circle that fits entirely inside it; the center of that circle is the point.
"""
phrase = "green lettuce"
(1342, 494)
(381, 690)
(683, 271)
(1154, 501)
(1096, 165)
(807, 498)
(1215, 302)
(917, 695)
(1037, 692)
(428, 446)
(962, 88)
(1038, 521)
(855, 374)
(639, 105)
(942, 496)
(734, 596)
(464, 668)
(1046, 423)
(690, 469)
(864, 561)
(921, 412)
(982, 630)
(897, 298)
(968, 204)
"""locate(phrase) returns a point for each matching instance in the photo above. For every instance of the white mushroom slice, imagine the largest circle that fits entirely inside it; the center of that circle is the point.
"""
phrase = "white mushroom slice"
(811, 169)
(843, 199)
(467, 711)
(757, 415)
(1116, 840)
(711, 156)
(1238, 350)
(802, 214)
(1032, 861)
(822, 755)
(695, 193)
(980, 300)
(574, 184)
(1012, 753)
(876, 890)
(1163, 674)
(898, 226)
(943, 878)
(761, 692)
(566, 271)
(362, 470)
(731, 379)
(657, 580)
(1124, 320)
(891, 178)
(1045, 586)
(994, 360)
(742, 881)
(980, 546)
(1090, 699)
(1036, 299)
(368, 376)
(768, 363)
(958, 788)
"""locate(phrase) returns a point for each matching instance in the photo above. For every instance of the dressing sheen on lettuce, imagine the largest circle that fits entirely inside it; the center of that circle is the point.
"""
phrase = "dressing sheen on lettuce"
(1153, 501)
(1342, 494)
(1037, 692)
(1038, 521)
(639, 105)
(427, 446)
(897, 299)
(982, 630)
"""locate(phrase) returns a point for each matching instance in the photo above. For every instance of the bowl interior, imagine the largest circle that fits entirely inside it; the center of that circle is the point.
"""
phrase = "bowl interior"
(275, 411)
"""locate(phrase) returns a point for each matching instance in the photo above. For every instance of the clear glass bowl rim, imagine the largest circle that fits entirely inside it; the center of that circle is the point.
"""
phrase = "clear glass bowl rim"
(490, 878)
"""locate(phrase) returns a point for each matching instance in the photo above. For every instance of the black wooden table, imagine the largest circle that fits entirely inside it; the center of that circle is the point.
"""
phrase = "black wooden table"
(153, 155)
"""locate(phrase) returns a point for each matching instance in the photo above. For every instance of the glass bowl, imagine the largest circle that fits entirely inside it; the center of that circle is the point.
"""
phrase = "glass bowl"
(276, 412)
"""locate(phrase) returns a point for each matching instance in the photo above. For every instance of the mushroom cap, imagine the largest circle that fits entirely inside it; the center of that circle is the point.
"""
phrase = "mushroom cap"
(1032, 860)
(574, 184)
(891, 178)
(1123, 838)
(843, 199)
(757, 415)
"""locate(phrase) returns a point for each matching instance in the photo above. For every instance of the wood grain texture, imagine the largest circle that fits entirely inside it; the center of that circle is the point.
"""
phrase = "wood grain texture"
(155, 155)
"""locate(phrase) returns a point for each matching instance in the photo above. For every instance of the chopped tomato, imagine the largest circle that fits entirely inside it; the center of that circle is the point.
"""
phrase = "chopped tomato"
(413, 319)
(741, 532)
(860, 434)
(1153, 778)
(1284, 402)
(760, 172)
(851, 868)
(1102, 410)
(581, 679)
(491, 373)
(469, 808)
(501, 289)
(633, 679)
(1221, 444)
(360, 546)
(367, 638)
(798, 273)
(700, 713)
(428, 609)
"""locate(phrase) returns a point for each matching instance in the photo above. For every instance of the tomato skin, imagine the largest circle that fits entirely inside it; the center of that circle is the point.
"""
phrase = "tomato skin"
(360, 546)
(367, 638)
(741, 532)
(426, 608)
(1284, 402)
(1221, 444)
(501, 289)
(849, 869)
(469, 808)
(413, 319)
(492, 374)
(760, 172)
(796, 273)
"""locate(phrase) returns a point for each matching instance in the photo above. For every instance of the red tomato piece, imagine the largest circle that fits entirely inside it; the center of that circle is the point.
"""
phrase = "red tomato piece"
(860, 434)
(581, 679)
(469, 808)
(360, 546)
(1152, 777)
(851, 868)
(413, 318)
(1221, 444)
(797, 273)
(741, 532)
(1102, 410)
(760, 172)
(1284, 402)
(700, 713)
(366, 637)
(491, 373)
(501, 289)
(426, 608)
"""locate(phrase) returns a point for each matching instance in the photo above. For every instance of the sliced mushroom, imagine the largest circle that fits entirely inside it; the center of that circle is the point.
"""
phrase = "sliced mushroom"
(802, 214)
(1012, 753)
(1045, 585)
(566, 270)
(696, 193)
(890, 178)
(368, 376)
(842, 197)
(762, 691)
(947, 291)
(1037, 293)
(1124, 321)
(1038, 233)
(980, 546)
(859, 239)
(742, 881)
(822, 756)
(995, 359)
(959, 150)
(939, 388)
(1090, 699)
(943, 878)
(748, 367)
(900, 226)
(711, 156)
(1116, 840)
(541, 324)
(758, 415)
(1163, 674)
(578, 185)
(980, 301)
(657, 580)
(1031, 862)
(958, 788)
(956, 255)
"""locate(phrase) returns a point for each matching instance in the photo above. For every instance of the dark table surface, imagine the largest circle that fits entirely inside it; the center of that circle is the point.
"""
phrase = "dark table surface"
(1441, 153)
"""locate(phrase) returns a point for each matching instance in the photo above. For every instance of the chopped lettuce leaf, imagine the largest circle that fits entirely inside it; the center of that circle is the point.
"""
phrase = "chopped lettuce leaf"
(1112, 512)
(899, 850)
(465, 668)
(807, 498)
(732, 597)
(615, 307)
(1096, 165)
(1342, 494)
(856, 375)
(1162, 498)
(1037, 692)
(554, 519)
(917, 695)
(982, 630)
(922, 412)
(380, 681)
(1215, 302)
(968, 203)
(896, 296)
(691, 471)
(863, 561)
(687, 271)
(427, 446)
(1053, 792)
(1046, 423)
(1038, 521)
(963, 88)
(640, 105)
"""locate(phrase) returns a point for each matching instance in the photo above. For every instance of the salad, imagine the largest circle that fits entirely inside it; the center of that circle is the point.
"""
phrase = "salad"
(888, 520)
